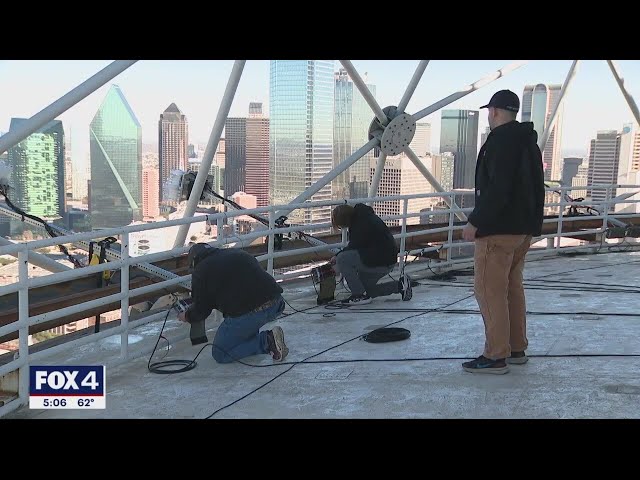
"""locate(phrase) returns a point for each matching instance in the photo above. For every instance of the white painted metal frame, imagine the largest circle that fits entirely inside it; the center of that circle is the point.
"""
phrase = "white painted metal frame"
(24, 250)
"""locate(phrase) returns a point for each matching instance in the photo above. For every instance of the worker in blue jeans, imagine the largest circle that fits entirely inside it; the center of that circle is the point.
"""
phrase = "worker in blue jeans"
(233, 282)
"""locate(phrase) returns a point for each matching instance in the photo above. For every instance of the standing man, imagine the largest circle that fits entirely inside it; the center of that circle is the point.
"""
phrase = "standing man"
(371, 254)
(233, 282)
(508, 213)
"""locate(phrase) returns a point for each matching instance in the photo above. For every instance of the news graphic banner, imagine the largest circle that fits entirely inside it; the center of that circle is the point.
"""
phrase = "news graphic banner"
(56, 386)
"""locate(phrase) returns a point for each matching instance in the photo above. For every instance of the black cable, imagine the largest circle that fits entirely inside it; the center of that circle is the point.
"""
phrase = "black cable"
(160, 367)
(422, 312)
(529, 286)
(52, 233)
(308, 360)
(293, 364)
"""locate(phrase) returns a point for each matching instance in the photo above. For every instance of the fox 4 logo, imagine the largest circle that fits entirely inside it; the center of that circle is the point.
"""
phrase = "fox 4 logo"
(65, 380)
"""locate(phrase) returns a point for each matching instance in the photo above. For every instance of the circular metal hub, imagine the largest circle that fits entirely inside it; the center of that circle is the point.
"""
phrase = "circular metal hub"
(397, 135)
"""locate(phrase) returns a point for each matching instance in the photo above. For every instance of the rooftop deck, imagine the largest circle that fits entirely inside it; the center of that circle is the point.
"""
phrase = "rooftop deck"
(560, 381)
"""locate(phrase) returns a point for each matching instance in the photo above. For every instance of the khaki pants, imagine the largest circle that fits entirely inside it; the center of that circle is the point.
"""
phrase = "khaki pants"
(499, 262)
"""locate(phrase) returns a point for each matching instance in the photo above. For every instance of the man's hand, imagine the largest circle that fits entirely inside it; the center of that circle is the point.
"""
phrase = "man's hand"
(182, 317)
(469, 233)
(333, 260)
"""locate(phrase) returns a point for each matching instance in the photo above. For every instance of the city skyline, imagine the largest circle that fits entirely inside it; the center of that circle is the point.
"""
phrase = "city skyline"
(585, 113)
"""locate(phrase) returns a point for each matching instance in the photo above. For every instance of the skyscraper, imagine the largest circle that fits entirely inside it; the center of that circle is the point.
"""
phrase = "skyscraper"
(221, 154)
(68, 171)
(257, 155)
(459, 135)
(235, 135)
(627, 166)
(421, 143)
(538, 102)
(301, 135)
(38, 170)
(81, 176)
(243, 154)
(635, 156)
(173, 142)
(350, 132)
(116, 163)
(604, 161)
(443, 167)
(401, 177)
(150, 199)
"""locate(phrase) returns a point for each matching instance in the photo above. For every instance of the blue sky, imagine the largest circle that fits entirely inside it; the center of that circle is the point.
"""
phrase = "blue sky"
(593, 103)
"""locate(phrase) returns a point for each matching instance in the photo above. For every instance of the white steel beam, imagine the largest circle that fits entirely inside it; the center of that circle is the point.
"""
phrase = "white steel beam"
(364, 90)
(542, 141)
(210, 150)
(467, 90)
(412, 85)
(63, 104)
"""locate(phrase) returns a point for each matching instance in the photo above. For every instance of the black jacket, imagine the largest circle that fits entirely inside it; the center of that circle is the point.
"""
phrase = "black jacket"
(371, 237)
(229, 280)
(509, 183)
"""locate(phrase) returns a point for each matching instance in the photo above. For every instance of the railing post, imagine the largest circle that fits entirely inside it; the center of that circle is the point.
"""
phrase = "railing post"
(220, 232)
(23, 322)
(605, 214)
(124, 290)
(453, 205)
(403, 233)
(272, 222)
(560, 217)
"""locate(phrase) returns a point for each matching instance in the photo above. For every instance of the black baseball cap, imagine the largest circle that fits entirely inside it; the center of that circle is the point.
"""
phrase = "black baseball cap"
(504, 99)
(196, 253)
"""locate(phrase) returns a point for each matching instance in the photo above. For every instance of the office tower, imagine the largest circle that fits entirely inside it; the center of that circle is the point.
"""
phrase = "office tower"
(173, 142)
(401, 177)
(235, 134)
(459, 135)
(421, 142)
(352, 118)
(604, 162)
(443, 167)
(150, 198)
(538, 102)
(38, 172)
(257, 155)
(116, 163)
(301, 133)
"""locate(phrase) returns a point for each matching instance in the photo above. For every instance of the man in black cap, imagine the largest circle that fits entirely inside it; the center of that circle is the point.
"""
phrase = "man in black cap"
(508, 213)
(232, 281)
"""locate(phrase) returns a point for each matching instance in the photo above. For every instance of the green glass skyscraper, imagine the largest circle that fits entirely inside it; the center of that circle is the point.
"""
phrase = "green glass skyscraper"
(37, 164)
(116, 163)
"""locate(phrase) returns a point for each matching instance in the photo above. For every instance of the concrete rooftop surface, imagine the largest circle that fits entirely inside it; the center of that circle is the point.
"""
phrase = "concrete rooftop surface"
(601, 320)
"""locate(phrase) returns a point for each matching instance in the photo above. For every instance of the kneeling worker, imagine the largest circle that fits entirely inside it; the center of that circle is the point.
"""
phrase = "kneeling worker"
(233, 282)
(370, 255)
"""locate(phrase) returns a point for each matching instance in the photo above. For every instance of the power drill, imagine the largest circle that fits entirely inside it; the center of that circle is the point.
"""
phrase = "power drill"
(197, 331)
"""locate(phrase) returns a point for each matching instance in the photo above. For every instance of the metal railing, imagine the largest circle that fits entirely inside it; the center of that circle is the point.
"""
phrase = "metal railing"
(24, 358)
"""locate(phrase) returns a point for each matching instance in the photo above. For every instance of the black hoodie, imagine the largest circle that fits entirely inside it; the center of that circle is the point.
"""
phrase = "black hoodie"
(509, 183)
(371, 237)
(229, 280)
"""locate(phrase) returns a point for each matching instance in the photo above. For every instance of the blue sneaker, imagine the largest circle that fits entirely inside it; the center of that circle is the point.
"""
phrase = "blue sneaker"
(483, 364)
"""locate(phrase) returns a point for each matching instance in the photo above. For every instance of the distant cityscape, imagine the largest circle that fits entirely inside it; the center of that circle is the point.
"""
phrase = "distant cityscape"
(317, 118)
